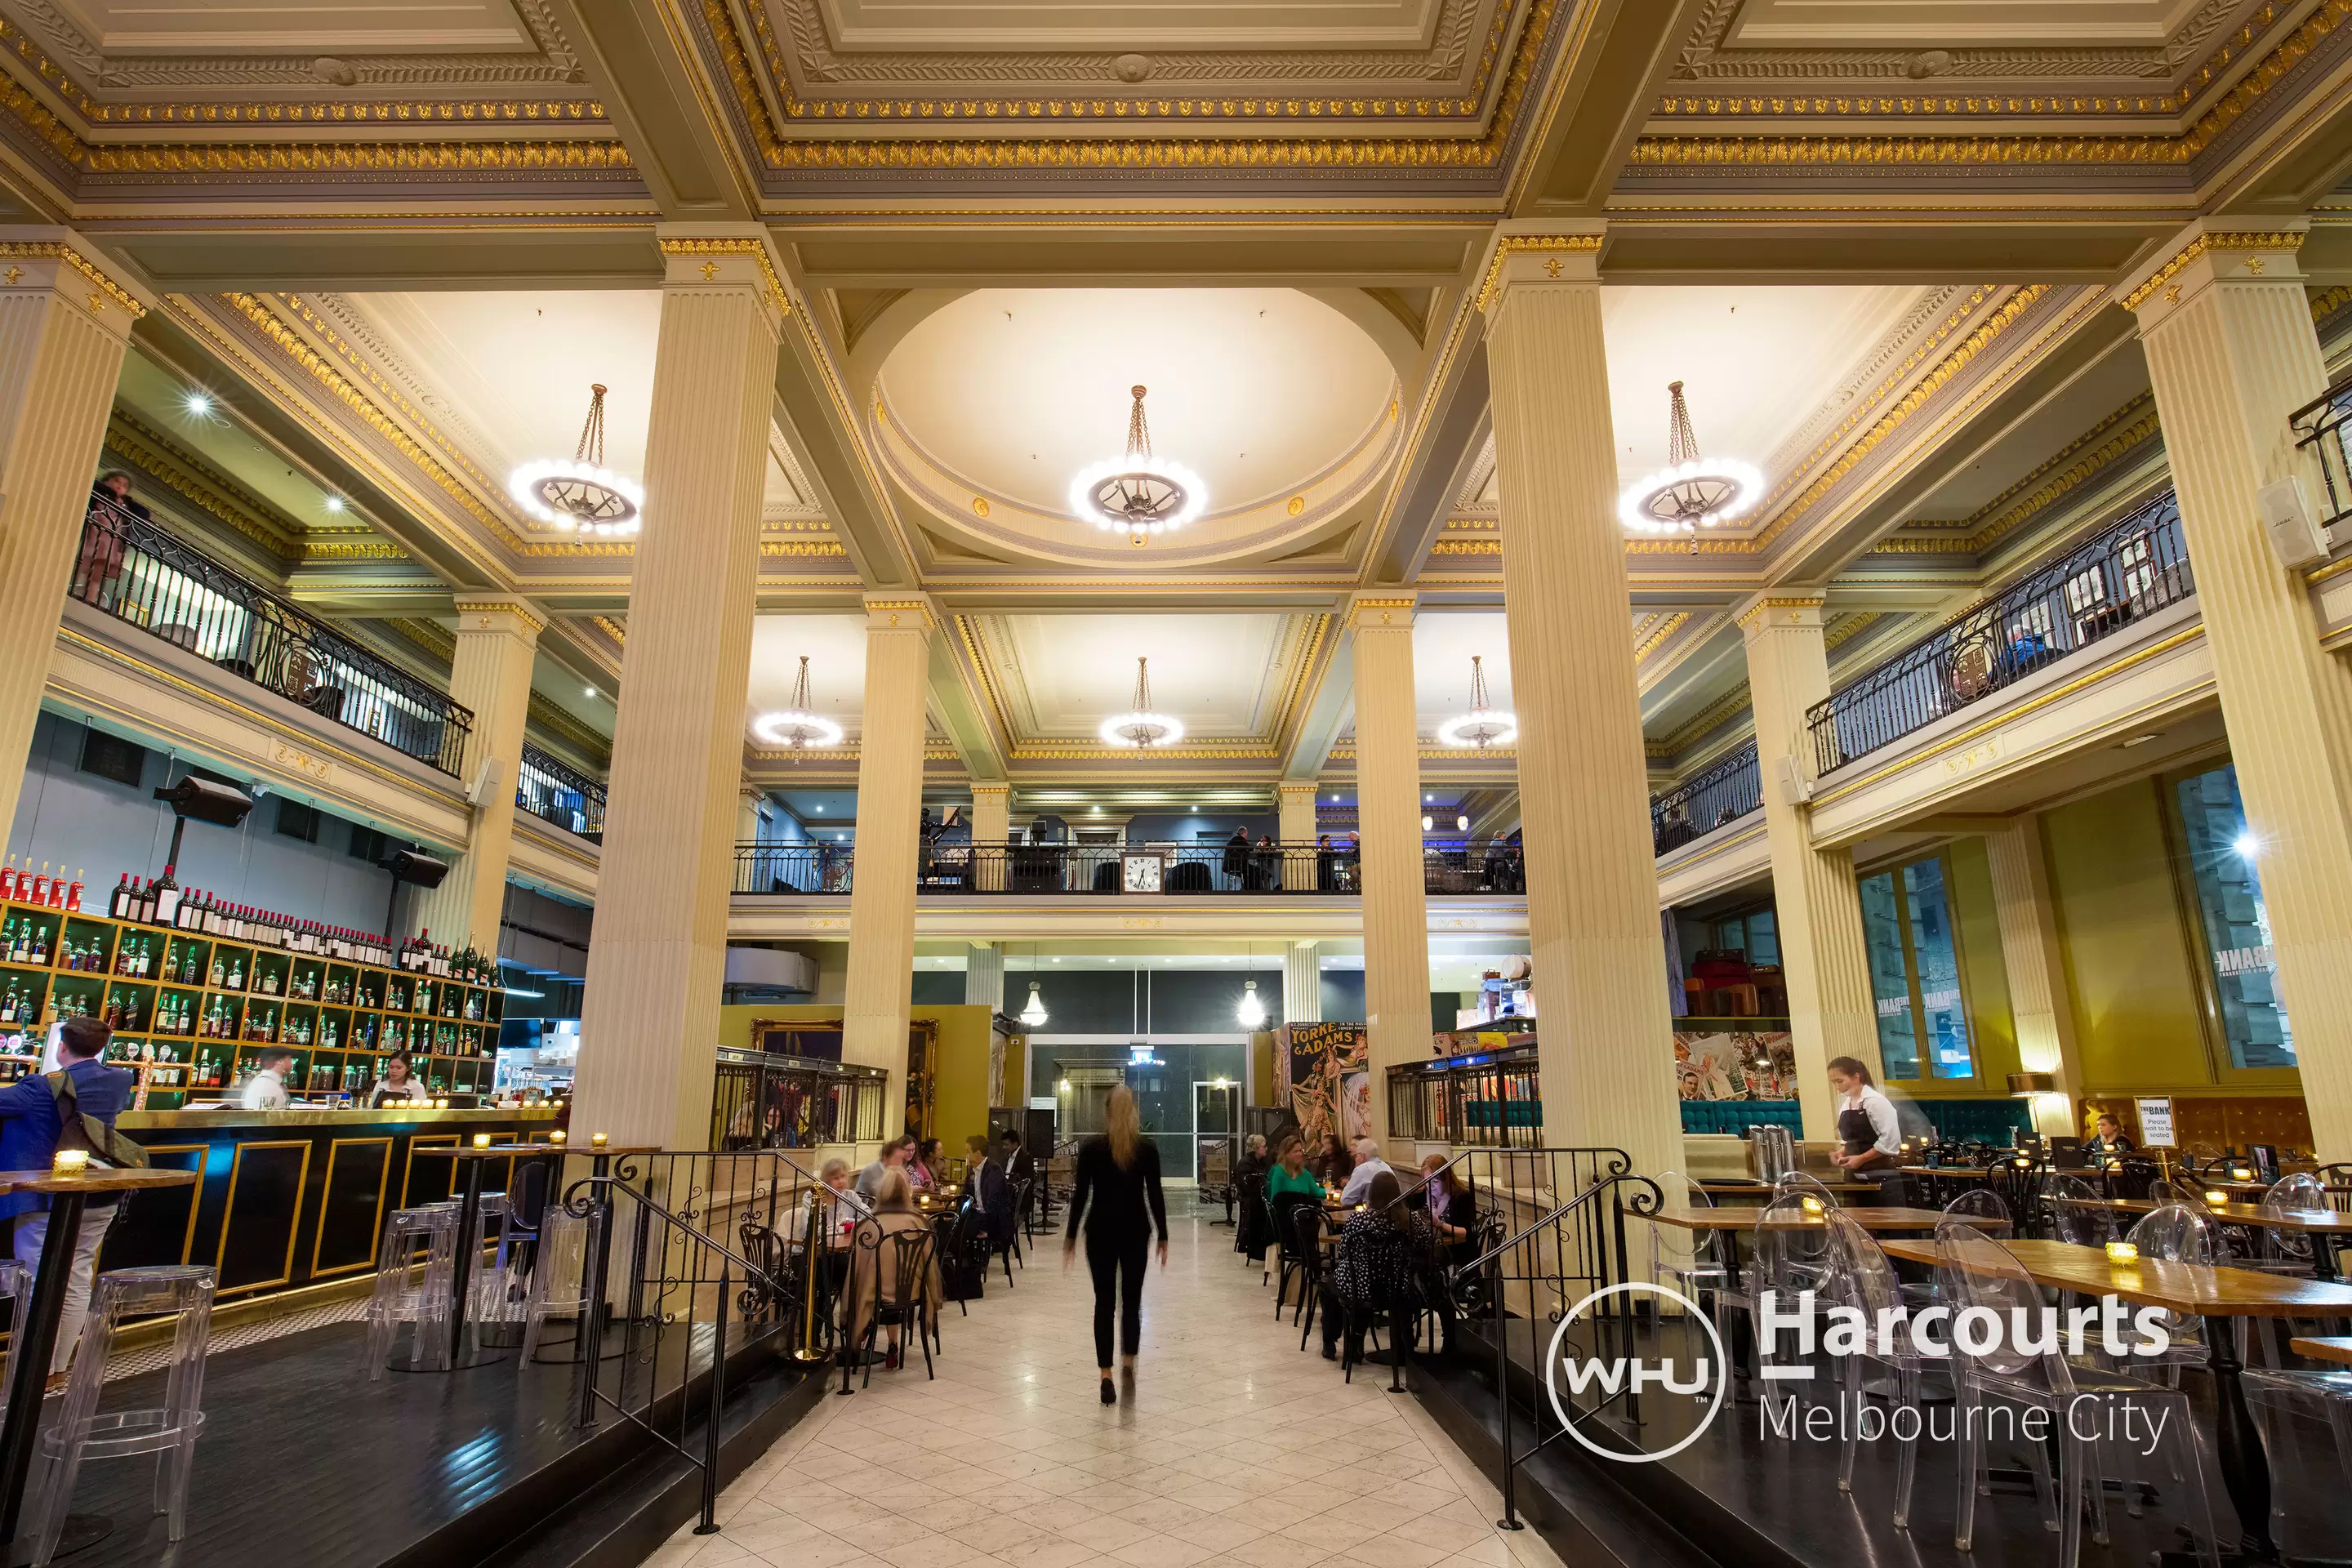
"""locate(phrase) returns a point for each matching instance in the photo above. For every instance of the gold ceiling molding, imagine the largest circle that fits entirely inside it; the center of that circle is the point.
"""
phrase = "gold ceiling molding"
(1849, 627)
(777, 152)
(197, 482)
(1709, 719)
(1523, 244)
(2072, 467)
(1318, 627)
(2210, 245)
(1666, 626)
(430, 635)
(777, 296)
(822, 548)
(611, 629)
(1991, 328)
(1467, 547)
(367, 549)
(58, 251)
(1892, 150)
(1756, 608)
(562, 723)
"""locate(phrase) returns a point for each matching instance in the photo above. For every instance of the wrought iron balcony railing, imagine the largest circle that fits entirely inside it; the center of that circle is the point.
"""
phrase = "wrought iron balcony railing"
(554, 792)
(2132, 569)
(1724, 793)
(2322, 428)
(141, 576)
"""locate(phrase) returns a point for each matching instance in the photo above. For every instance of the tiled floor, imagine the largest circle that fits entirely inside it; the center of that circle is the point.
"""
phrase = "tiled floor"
(1237, 1449)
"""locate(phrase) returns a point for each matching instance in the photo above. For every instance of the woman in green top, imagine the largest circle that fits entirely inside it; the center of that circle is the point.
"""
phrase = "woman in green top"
(1290, 1176)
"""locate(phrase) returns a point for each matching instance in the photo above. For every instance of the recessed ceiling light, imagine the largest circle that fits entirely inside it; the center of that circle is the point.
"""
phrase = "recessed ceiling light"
(820, 811)
(592, 692)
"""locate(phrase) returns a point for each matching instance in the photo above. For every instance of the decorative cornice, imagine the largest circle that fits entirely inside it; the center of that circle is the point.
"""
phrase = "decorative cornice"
(1713, 717)
(108, 291)
(612, 628)
(1521, 244)
(1756, 608)
(197, 482)
(560, 723)
(825, 549)
(1385, 606)
(2056, 478)
(1850, 627)
(1667, 628)
(2208, 245)
(1466, 547)
(500, 604)
(430, 635)
(779, 297)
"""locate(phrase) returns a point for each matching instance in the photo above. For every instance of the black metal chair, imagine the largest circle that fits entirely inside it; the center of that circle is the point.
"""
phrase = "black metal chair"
(1285, 1241)
(1307, 1227)
(905, 1305)
(1011, 1247)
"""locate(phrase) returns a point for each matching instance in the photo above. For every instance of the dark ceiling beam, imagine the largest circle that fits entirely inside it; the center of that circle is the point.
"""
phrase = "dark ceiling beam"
(279, 257)
(1597, 105)
(1173, 252)
(1831, 247)
(657, 96)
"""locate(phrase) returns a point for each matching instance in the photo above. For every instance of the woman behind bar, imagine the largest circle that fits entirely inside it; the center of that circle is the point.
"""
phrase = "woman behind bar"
(398, 1087)
(1117, 1177)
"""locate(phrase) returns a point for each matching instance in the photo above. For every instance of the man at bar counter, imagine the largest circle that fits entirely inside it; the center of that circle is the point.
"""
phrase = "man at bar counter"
(266, 1089)
(33, 1111)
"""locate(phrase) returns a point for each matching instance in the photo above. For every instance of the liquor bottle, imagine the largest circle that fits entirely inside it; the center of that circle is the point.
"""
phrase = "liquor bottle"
(121, 896)
(57, 889)
(73, 894)
(9, 878)
(237, 972)
(41, 885)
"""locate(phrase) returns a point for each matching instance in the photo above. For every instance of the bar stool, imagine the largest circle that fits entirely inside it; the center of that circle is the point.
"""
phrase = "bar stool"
(559, 1278)
(170, 1432)
(403, 1295)
(496, 1285)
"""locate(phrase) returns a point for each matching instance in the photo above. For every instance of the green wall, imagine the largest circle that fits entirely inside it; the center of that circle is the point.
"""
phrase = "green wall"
(1984, 978)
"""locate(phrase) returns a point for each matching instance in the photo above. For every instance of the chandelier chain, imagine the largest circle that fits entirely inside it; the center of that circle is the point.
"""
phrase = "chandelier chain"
(1682, 441)
(592, 433)
(1138, 432)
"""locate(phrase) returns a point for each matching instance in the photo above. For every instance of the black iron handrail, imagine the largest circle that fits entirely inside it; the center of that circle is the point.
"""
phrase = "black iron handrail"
(1724, 793)
(554, 792)
(2132, 569)
(142, 576)
(2319, 426)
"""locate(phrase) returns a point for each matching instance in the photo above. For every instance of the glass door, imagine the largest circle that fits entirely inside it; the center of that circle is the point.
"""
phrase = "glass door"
(1216, 1118)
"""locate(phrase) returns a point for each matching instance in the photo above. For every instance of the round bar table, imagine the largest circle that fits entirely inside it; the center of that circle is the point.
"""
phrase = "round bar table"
(38, 1340)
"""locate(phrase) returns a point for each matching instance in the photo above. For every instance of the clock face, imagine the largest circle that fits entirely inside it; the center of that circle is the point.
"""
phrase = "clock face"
(1142, 873)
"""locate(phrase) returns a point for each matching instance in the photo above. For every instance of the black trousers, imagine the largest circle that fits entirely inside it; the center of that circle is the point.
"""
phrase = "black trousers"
(1116, 1263)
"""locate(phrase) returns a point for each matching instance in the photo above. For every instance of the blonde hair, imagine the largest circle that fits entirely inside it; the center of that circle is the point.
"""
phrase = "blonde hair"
(1122, 1125)
(893, 1191)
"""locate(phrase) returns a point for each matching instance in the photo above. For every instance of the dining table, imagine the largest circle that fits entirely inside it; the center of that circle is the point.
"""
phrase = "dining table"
(2300, 1222)
(2216, 1296)
(2336, 1348)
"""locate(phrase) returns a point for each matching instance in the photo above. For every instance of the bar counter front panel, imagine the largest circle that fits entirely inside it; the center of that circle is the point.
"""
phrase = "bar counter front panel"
(291, 1198)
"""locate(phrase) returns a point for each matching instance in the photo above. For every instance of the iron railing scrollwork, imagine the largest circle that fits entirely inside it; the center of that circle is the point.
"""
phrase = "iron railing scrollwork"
(762, 1099)
(2132, 569)
(142, 576)
(1486, 1099)
(1449, 865)
(555, 791)
(1725, 792)
(2320, 429)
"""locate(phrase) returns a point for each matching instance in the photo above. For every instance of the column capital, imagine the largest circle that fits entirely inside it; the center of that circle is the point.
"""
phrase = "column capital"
(900, 613)
(1770, 612)
(498, 613)
(1388, 609)
(997, 791)
(1563, 254)
(58, 260)
(2212, 250)
(726, 256)
(1289, 789)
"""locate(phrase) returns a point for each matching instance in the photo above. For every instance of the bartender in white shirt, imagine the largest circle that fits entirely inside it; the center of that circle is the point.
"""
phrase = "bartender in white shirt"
(399, 1085)
(1870, 1139)
(266, 1089)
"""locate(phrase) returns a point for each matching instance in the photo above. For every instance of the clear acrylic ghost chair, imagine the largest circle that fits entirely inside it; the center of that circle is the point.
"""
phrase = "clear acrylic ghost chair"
(1687, 1260)
(1979, 1271)
(2290, 1251)
(496, 1283)
(16, 1284)
(2327, 1393)
(1805, 1184)
(1863, 1278)
(416, 1279)
(2074, 1213)
(558, 1287)
(169, 1432)
(1790, 1254)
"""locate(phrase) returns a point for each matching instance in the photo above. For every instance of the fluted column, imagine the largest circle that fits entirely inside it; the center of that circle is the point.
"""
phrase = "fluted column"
(64, 317)
(889, 832)
(658, 957)
(1604, 1039)
(2036, 970)
(490, 673)
(991, 824)
(1816, 907)
(1302, 984)
(2233, 353)
(1388, 813)
(984, 978)
(1294, 802)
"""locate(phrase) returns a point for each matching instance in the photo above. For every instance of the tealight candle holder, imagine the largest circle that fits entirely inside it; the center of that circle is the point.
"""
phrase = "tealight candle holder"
(2217, 1199)
(481, 1140)
(598, 1139)
(441, 1104)
(556, 1136)
(1812, 1205)
(2121, 1252)
(69, 1162)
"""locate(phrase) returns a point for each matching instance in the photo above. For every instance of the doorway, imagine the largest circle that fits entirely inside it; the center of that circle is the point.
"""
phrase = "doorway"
(1217, 1121)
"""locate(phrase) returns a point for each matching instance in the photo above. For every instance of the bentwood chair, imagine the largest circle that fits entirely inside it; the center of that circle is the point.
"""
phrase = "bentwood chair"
(170, 1432)
(1293, 1261)
(892, 1270)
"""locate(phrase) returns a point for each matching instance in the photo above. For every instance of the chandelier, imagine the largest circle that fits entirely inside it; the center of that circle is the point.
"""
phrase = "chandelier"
(1138, 494)
(580, 493)
(1690, 492)
(1141, 727)
(799, 726)
(1032, 1014)
(1482, 726)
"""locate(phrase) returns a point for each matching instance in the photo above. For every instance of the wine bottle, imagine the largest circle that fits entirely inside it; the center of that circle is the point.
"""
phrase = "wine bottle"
(73, 894)
(9, 878)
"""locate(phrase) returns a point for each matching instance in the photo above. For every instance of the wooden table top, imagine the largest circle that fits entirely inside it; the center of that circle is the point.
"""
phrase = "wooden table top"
(2234, 1214)
(97, 1178)
(2175, 1287)
(462, 1151)
(2335, 1348)
(1749, 1185)
(1748, 1219)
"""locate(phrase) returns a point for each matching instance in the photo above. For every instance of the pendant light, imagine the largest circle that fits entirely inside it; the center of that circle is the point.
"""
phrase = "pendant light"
(1032, 1011)
(1250, 1012)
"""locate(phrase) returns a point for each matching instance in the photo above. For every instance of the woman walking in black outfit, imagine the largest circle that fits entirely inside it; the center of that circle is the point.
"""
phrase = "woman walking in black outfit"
(1115, 1191)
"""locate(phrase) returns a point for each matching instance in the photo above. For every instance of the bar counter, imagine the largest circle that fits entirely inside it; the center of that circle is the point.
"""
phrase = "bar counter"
(288, 1199)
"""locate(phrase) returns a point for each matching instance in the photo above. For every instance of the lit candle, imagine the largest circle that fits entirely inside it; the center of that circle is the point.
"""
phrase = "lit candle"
(1812, 1205)
(481, 1140)
(2217, 1199)
(598, 1139)
(2240, 1173)
(2121, 1252)
(556, 1136)
(71, 1162)
(442, 1103)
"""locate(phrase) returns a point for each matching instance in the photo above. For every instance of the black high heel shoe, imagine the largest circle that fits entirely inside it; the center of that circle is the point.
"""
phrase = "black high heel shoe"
(1109, 1392)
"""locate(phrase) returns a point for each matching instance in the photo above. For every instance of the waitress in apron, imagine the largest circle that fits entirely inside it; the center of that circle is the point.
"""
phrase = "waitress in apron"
(1870, 1140)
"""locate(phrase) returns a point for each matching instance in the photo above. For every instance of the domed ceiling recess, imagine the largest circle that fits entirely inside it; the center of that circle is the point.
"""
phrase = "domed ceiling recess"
(1283, 408)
